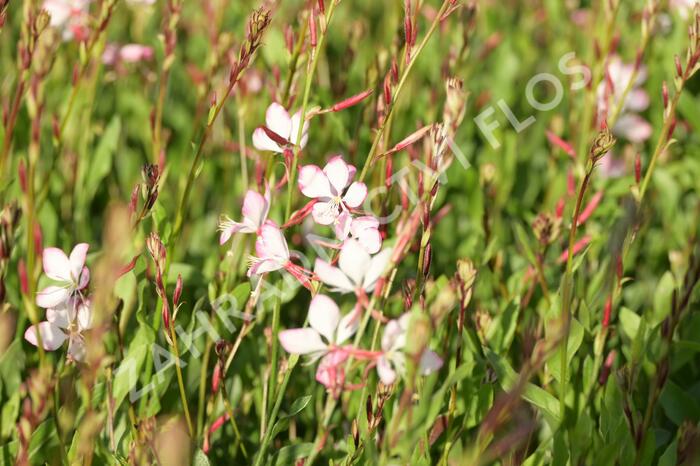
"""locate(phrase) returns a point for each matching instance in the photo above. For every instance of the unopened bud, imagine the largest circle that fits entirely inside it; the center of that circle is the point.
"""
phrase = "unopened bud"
(637, 168)
(312, 29)
(671, 129)
(178, 290)
(679, 67)
(607, 312)
(322, 7)
(602, 144)
(664, 93)
(216, 378)
(427, 259)
(23, 281)
(350, 101)
(22, 172)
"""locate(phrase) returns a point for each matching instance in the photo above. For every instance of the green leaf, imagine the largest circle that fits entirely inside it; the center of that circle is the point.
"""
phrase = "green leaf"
(678, 405)
(291, 453)
(129, 371)
(662, 298)
(200, 459)
(573, 344)
(298, 405)
(101, 161)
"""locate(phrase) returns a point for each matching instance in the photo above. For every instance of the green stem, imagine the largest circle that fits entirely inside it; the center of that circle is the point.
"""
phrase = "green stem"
(399, 88)
(305, 101)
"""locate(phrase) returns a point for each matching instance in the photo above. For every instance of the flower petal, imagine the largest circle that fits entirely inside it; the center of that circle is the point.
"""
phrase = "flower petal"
(57, 266)
(324, 213)
(271, 243)
(228, 228)
(254, 208)
(354, 261)
(262, 141)
(342, 225)
(84, 316)
(52, 296)
(52, 337)
(277, 119)
(301, 341)
(61, 316)
(84, 278)
(347, 327)
(338, 174)
(76, 348)
(332, 276)
(376, 269)
(313, 182)
(324, 316)
(260, 267)
(329, 371)
(356, 194)
(637, 100)
(633, 128)
(429, 362)
(386, 373)
(77, 259)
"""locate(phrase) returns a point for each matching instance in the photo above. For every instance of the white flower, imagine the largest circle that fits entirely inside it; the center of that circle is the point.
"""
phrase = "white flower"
(278, 120)
(325, 324)
(70, 272)
(255, 210)
(357, 272)
(271, 249)
(335, 192)
(66, 321)
(393, 361)
(69, 16)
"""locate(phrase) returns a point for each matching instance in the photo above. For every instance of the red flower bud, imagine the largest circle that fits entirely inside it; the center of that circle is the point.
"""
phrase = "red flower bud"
(312, 28)
(322, 7)
(607, 312)
(350, 101)
(664, 93)
(178, 291)
(216, 378)
(637, 168)
(22, 171)
(679, 67)
(23, 281)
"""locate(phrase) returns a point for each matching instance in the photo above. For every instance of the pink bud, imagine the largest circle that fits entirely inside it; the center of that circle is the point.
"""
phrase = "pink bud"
(322, 7)
(350, 101)
(166, 315)
(216, 378)
(590, 208)
(387, 90)
(38, 240)
(607, 366)
(23, 281)
(679, 67)
(607, 312)
(289, 38)
(559, 142)
(178, 291)
(637, 168)
(22, 170)
(671, 129)
(578, 246)
(312, 28)
(559, 210)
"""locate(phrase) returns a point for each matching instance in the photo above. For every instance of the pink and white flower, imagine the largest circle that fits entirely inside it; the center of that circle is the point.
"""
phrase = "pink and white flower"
(365, 229)
(357, 271)
(277, 120)
(334, 191)
(254, 211)
(393, 361)
(629, 124)
(271, 250)
(71, 273)
(683, 7)
(69, 16)
(273, 254)
(323, 339)
(67, 321)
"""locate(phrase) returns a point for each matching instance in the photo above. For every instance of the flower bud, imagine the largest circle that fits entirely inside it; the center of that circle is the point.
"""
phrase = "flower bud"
(178, 290)
(22, 172)
(602, 144)
(637, 168)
